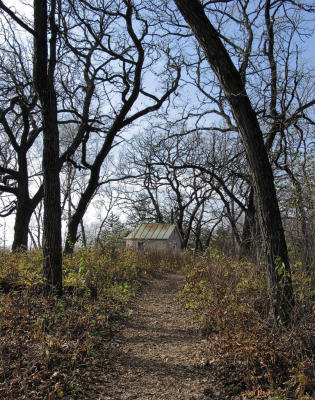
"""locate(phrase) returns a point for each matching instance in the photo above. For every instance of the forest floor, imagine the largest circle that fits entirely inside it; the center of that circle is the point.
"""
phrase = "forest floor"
(133, 338)
(159, 352)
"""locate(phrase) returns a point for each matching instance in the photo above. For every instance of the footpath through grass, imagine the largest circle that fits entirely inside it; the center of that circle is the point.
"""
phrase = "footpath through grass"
(47, 345)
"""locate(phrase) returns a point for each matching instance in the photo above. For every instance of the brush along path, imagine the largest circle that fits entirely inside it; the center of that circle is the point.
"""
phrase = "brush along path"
(158, 354)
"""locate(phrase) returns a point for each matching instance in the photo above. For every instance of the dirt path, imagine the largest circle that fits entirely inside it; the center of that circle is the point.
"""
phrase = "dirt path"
(158, 354)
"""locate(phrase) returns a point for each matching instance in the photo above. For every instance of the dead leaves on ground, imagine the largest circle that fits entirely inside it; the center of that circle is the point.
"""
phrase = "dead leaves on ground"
(52, 348)
(252, 358)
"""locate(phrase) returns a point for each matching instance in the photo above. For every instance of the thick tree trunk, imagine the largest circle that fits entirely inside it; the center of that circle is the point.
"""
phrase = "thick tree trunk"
(52, 247)
(277, 264)
(21, 225)
(249, 233)
(25, 205)
(44, 86)
(24, 211)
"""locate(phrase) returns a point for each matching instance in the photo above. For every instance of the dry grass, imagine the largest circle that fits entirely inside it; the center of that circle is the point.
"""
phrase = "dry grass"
(229, 298)
(49, 345)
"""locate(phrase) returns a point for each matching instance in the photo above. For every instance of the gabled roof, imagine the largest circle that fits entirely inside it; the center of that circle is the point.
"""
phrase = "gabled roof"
(153, 231)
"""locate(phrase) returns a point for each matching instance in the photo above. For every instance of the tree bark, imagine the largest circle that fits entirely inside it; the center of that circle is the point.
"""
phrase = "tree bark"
(23, 204)
(21, 225)
(44, 85)
(25, 207)
(247, 246)
(277, 263)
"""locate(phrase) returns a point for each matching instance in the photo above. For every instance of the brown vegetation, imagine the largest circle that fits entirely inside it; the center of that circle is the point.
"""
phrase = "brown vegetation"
(48, 345)
(230, 299)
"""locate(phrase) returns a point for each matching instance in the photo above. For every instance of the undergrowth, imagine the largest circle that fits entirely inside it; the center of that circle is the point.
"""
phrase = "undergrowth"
(53, 348)
(229, 298)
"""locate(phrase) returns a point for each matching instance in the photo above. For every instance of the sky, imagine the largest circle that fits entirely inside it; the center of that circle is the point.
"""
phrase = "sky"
(24, 7)
(310, 49)
(6, 227)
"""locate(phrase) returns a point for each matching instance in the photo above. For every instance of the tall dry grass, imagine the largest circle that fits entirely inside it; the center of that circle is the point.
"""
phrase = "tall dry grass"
(229, 299)
(52, 348)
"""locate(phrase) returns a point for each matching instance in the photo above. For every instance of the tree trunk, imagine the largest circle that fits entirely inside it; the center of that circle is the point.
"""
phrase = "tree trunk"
(25, 205)
(84, 241)
(277, 263)
(247, 247)
(77, 216)
(21, 225)
(210, 234)
(44, 86)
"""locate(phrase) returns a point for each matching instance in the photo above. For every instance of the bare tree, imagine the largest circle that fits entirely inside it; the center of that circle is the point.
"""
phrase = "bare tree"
(44, 76)
(168, 185)
(20, 127)
(117, 66)
(277, 262)
(44, 64)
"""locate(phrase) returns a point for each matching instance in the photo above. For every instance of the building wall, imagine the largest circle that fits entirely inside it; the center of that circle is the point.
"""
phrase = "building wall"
(174, 242)
(171, 245)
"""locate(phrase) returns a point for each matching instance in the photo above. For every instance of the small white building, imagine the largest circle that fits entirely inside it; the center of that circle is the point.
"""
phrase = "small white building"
(164, 238)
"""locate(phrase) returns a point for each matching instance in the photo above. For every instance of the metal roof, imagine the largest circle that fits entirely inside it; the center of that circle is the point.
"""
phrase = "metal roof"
(153, 231)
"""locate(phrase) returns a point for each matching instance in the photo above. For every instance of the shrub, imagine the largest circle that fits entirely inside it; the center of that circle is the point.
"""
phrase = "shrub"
(47, 345)
(229, 298)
